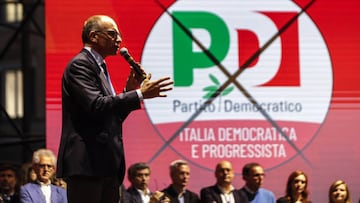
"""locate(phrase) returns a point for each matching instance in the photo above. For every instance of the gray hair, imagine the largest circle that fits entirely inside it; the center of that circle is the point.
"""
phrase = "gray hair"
(176, 164)
(43, 152)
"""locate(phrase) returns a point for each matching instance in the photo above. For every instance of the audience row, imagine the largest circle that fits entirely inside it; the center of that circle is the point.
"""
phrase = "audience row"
(39, 185)
(223, 190)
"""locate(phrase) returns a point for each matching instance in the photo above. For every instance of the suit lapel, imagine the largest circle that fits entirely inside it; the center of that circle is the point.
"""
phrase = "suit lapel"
(105, 83)
(53, 194)
(218, 194)
(36, 193)
(187, 197)
(101, 75)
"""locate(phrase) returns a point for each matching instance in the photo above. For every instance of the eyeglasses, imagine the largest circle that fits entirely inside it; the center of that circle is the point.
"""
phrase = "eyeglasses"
(258, 175)
(43, 166)
(111, 33)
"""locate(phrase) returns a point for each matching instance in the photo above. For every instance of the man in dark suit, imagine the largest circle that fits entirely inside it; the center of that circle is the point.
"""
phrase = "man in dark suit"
(42, 190)
(223, 191)
(139, 177)
(125, 197)
(91, 154)
(177, 191)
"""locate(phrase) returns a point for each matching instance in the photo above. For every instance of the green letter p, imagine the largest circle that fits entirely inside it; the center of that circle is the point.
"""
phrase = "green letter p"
(185, 59)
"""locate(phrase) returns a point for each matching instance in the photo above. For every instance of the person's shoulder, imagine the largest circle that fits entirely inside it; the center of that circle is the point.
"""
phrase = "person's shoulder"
(30, 184)
(194, 196)
(167, 189)
(192, 192)
(82, 53)
(132, 191)
(241, 192)
(57, 187)
(208, 188)
(29, 187)
(264, 190)
(268, 193)
(282, 200)
(82, 57)
(241, 189)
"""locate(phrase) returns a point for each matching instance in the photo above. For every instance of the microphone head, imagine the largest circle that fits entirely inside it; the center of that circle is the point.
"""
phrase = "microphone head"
(123, 51)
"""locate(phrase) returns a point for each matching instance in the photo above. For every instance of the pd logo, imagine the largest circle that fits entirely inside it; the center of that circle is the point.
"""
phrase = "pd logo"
(270, 112)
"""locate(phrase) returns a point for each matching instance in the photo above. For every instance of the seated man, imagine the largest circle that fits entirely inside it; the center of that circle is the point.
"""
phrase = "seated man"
(42, 191)
(177, 191)
(223, 191)
(9, 183)
(139, 177)
(253, 175)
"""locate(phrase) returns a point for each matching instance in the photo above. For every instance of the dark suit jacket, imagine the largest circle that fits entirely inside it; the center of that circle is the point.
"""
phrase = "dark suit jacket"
(189, 197)
(135, 195)
(125, 196)
(212, 194)
(15, 198)
(91, 141)
(31, 193)
(282, 200)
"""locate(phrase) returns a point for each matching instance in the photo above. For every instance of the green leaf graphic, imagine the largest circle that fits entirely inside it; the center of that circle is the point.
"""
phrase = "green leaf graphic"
(214, 79)
(213, 88)
(210, 88)
(227, 91)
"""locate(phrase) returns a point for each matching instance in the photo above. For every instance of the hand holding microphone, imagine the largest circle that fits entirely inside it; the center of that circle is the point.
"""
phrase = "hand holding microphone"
(125, 53)
(149, 88)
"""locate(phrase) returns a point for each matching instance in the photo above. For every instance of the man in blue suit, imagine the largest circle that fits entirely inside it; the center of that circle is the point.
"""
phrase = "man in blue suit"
(41, 190)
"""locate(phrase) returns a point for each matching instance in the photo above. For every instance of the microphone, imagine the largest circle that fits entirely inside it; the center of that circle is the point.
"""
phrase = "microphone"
(125, 53)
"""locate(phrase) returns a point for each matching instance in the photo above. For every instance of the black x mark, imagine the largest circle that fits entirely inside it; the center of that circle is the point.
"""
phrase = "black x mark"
(232, 79)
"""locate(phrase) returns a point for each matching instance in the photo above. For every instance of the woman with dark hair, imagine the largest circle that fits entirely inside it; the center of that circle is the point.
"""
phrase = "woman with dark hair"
(339, 192)
(296, 189)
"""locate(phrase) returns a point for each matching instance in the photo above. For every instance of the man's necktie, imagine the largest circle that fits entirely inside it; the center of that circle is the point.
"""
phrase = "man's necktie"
(107, 76)
(104, 68)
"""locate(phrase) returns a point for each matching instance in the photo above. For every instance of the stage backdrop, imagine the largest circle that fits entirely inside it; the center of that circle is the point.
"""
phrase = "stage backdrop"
(269, 81)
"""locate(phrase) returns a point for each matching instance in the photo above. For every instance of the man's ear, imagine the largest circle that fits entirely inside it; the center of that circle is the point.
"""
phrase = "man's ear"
(93, 36)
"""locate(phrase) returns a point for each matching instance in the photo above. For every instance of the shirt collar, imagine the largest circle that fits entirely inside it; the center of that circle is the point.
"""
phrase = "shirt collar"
(249, 190)
(43, 184)
(181, 193)
(142, 192)
(223, 190)
(98, 58)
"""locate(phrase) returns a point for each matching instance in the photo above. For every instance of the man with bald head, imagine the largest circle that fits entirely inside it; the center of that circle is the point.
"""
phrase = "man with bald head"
(223, 191)
(91, 153)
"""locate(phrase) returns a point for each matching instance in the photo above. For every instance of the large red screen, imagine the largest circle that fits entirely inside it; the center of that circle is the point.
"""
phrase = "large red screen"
(292, 105)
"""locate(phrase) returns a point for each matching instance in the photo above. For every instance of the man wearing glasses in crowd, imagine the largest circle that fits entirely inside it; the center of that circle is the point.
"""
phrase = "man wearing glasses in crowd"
(42, 191)
(91, 154)
(253, 175)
